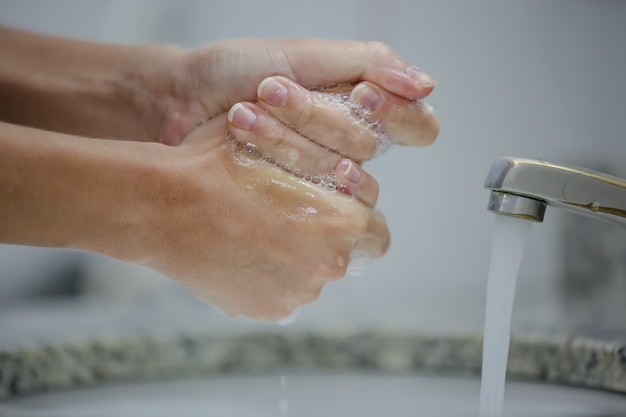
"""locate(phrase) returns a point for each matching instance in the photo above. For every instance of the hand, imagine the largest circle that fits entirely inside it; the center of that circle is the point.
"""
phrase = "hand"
(203, 83)
(251, 240)
(160, 92)
(282, 238)
(329, 138)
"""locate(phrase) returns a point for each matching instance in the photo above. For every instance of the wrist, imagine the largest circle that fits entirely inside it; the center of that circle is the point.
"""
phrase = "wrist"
(85, 88)
(70, 192)
(182, 82)
(148, 85)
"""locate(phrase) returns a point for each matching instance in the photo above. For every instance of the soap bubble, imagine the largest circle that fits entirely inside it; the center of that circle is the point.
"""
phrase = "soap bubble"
(359, 262)
(360, 116)
(248, 155)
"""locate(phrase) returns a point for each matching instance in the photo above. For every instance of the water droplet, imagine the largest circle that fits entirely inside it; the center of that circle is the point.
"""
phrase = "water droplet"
(283, 407)
(290, 318)
(250, 148)
(283, 403)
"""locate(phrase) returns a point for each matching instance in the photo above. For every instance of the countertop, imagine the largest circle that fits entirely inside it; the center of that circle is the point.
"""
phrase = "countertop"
(60, 345)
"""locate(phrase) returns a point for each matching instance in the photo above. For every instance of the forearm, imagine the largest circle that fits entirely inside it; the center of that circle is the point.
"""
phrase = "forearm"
(58, 190)
(80, 87)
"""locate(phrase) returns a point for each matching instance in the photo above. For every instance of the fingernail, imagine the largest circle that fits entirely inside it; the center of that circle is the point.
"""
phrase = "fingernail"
(272, 92)
(366, 97)
(241, 116)
(420, 77)
(350, 170)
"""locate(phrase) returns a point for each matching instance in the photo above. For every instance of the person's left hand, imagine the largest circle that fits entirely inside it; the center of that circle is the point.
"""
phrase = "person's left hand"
(200, 84)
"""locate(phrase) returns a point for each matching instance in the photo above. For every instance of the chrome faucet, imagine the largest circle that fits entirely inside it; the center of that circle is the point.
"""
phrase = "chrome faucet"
(523, 187)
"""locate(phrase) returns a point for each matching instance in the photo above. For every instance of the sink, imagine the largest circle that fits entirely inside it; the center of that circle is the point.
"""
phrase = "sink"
(157, 359)
(308, 394)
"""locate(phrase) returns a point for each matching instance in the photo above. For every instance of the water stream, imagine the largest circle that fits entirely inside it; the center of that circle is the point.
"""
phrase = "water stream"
(283, 403)
(509, 239)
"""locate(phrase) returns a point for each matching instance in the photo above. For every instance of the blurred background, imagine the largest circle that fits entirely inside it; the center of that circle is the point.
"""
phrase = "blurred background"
(536, 79)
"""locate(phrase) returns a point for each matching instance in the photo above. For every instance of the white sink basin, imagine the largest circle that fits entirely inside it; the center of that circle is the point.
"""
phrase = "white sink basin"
(314, 395)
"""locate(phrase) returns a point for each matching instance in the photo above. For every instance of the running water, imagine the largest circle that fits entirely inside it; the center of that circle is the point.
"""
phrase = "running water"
(509, 239)
(283, 403)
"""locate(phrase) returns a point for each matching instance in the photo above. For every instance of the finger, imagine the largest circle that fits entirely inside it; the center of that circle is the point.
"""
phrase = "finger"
(353, 180)
(250, 124)
(267, 137)
(318, 62)
(376, 239)
(330, 124)
(407, 122)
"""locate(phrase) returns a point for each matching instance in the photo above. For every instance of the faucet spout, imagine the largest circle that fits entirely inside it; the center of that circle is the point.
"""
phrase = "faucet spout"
(523, 188)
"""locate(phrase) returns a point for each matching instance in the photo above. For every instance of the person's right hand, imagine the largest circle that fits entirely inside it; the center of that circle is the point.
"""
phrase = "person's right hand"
(252, 240)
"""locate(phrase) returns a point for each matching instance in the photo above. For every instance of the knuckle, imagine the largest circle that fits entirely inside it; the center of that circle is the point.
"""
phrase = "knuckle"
(338, 272)
(374, 190)
(385, 242)
(273, 310)
(430, 129)
(305, 116)
(362, 146)
(335, 270)
(276, 135)
(417, 130)
(338, 267)
(329, 270)
(280, 139)
(355, 223)
(279, 313)
(310, 296)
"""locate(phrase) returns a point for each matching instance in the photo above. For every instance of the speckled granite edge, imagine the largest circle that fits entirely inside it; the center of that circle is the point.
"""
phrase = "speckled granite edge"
(574, 361)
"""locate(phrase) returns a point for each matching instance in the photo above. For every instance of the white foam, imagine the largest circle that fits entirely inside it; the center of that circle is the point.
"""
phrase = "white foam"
(247, 154)
(290, 318)
(361, 117)
(359, 262)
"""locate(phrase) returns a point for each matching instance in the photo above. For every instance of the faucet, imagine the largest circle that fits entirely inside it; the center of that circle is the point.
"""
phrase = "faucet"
(523, 187)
